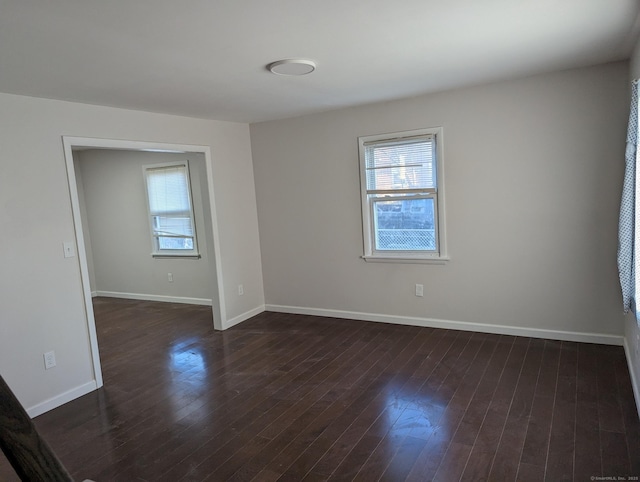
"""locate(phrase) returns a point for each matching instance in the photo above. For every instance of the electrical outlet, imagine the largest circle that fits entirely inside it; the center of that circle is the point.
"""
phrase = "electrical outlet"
(419, 290)
(240, 290)
(49, 360)
(170, 277)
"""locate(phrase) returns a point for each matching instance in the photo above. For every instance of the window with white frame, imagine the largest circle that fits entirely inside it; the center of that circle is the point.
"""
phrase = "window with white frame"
(173, 231)
(402, 188)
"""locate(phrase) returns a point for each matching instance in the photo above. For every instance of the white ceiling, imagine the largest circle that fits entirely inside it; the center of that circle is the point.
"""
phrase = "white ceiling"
(207, 58)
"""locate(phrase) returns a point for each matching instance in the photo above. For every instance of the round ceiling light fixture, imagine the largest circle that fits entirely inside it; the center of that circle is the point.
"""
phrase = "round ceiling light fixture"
(292, 67)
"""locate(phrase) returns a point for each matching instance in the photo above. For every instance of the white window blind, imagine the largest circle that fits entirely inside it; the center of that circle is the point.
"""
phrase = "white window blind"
(400, 165)
(171, 210)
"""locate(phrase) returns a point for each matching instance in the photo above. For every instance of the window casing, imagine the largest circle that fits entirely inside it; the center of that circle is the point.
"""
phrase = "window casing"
(402, 189)
(170, 208)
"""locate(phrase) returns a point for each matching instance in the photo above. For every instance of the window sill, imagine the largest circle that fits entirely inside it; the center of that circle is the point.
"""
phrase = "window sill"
(178, 256)
(406, 260)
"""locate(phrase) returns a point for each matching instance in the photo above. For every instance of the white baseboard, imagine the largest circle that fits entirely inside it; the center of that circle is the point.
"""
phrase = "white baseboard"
(94, 294)
(61, 399)
(600, 338)
(243, 317)
(146, 297)
(632, 374)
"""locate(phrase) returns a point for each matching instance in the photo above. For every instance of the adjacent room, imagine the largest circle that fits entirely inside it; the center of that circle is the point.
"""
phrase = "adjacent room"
(278, 240)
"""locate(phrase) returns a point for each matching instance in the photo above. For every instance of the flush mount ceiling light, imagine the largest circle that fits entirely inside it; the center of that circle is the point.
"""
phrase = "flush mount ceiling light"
(292, 67)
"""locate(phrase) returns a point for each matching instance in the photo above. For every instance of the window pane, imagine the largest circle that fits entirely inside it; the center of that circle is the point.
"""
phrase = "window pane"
(177, 226)
(175, 243)
(404, 224)
(400, 166)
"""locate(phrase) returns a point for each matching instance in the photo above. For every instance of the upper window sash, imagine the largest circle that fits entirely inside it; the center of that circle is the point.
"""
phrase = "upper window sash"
(401, 165)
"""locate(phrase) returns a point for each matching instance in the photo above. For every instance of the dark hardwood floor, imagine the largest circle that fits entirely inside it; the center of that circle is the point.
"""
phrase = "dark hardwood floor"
(292, 397)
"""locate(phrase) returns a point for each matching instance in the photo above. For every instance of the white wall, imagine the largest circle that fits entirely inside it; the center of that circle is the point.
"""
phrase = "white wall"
(631, 329)
(117, 217)
(41, 303)
(533, 179)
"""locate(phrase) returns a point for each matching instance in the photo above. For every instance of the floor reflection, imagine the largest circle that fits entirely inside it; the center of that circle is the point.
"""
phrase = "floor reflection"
(414, 415)
(188, 382)
(187, 359)
(416, 419)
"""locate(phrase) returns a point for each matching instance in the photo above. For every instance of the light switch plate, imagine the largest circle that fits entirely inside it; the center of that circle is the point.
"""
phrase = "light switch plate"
(69, 249)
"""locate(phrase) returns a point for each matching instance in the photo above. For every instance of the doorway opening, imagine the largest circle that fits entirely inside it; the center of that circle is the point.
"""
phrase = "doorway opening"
(74, 146)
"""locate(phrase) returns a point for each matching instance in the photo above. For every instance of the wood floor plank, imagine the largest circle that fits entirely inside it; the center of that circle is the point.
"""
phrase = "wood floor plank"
(433, 401)
(469, 430)
(536, 444)
(441, 436)
(609, 409)
(561, 451)
(390, 364)
(285, 451)
(588, 456)
(508, 454)
(339, 451)
(263, 421)
(362, 450)
(615, 454)
(300, 397)
(273, 429)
